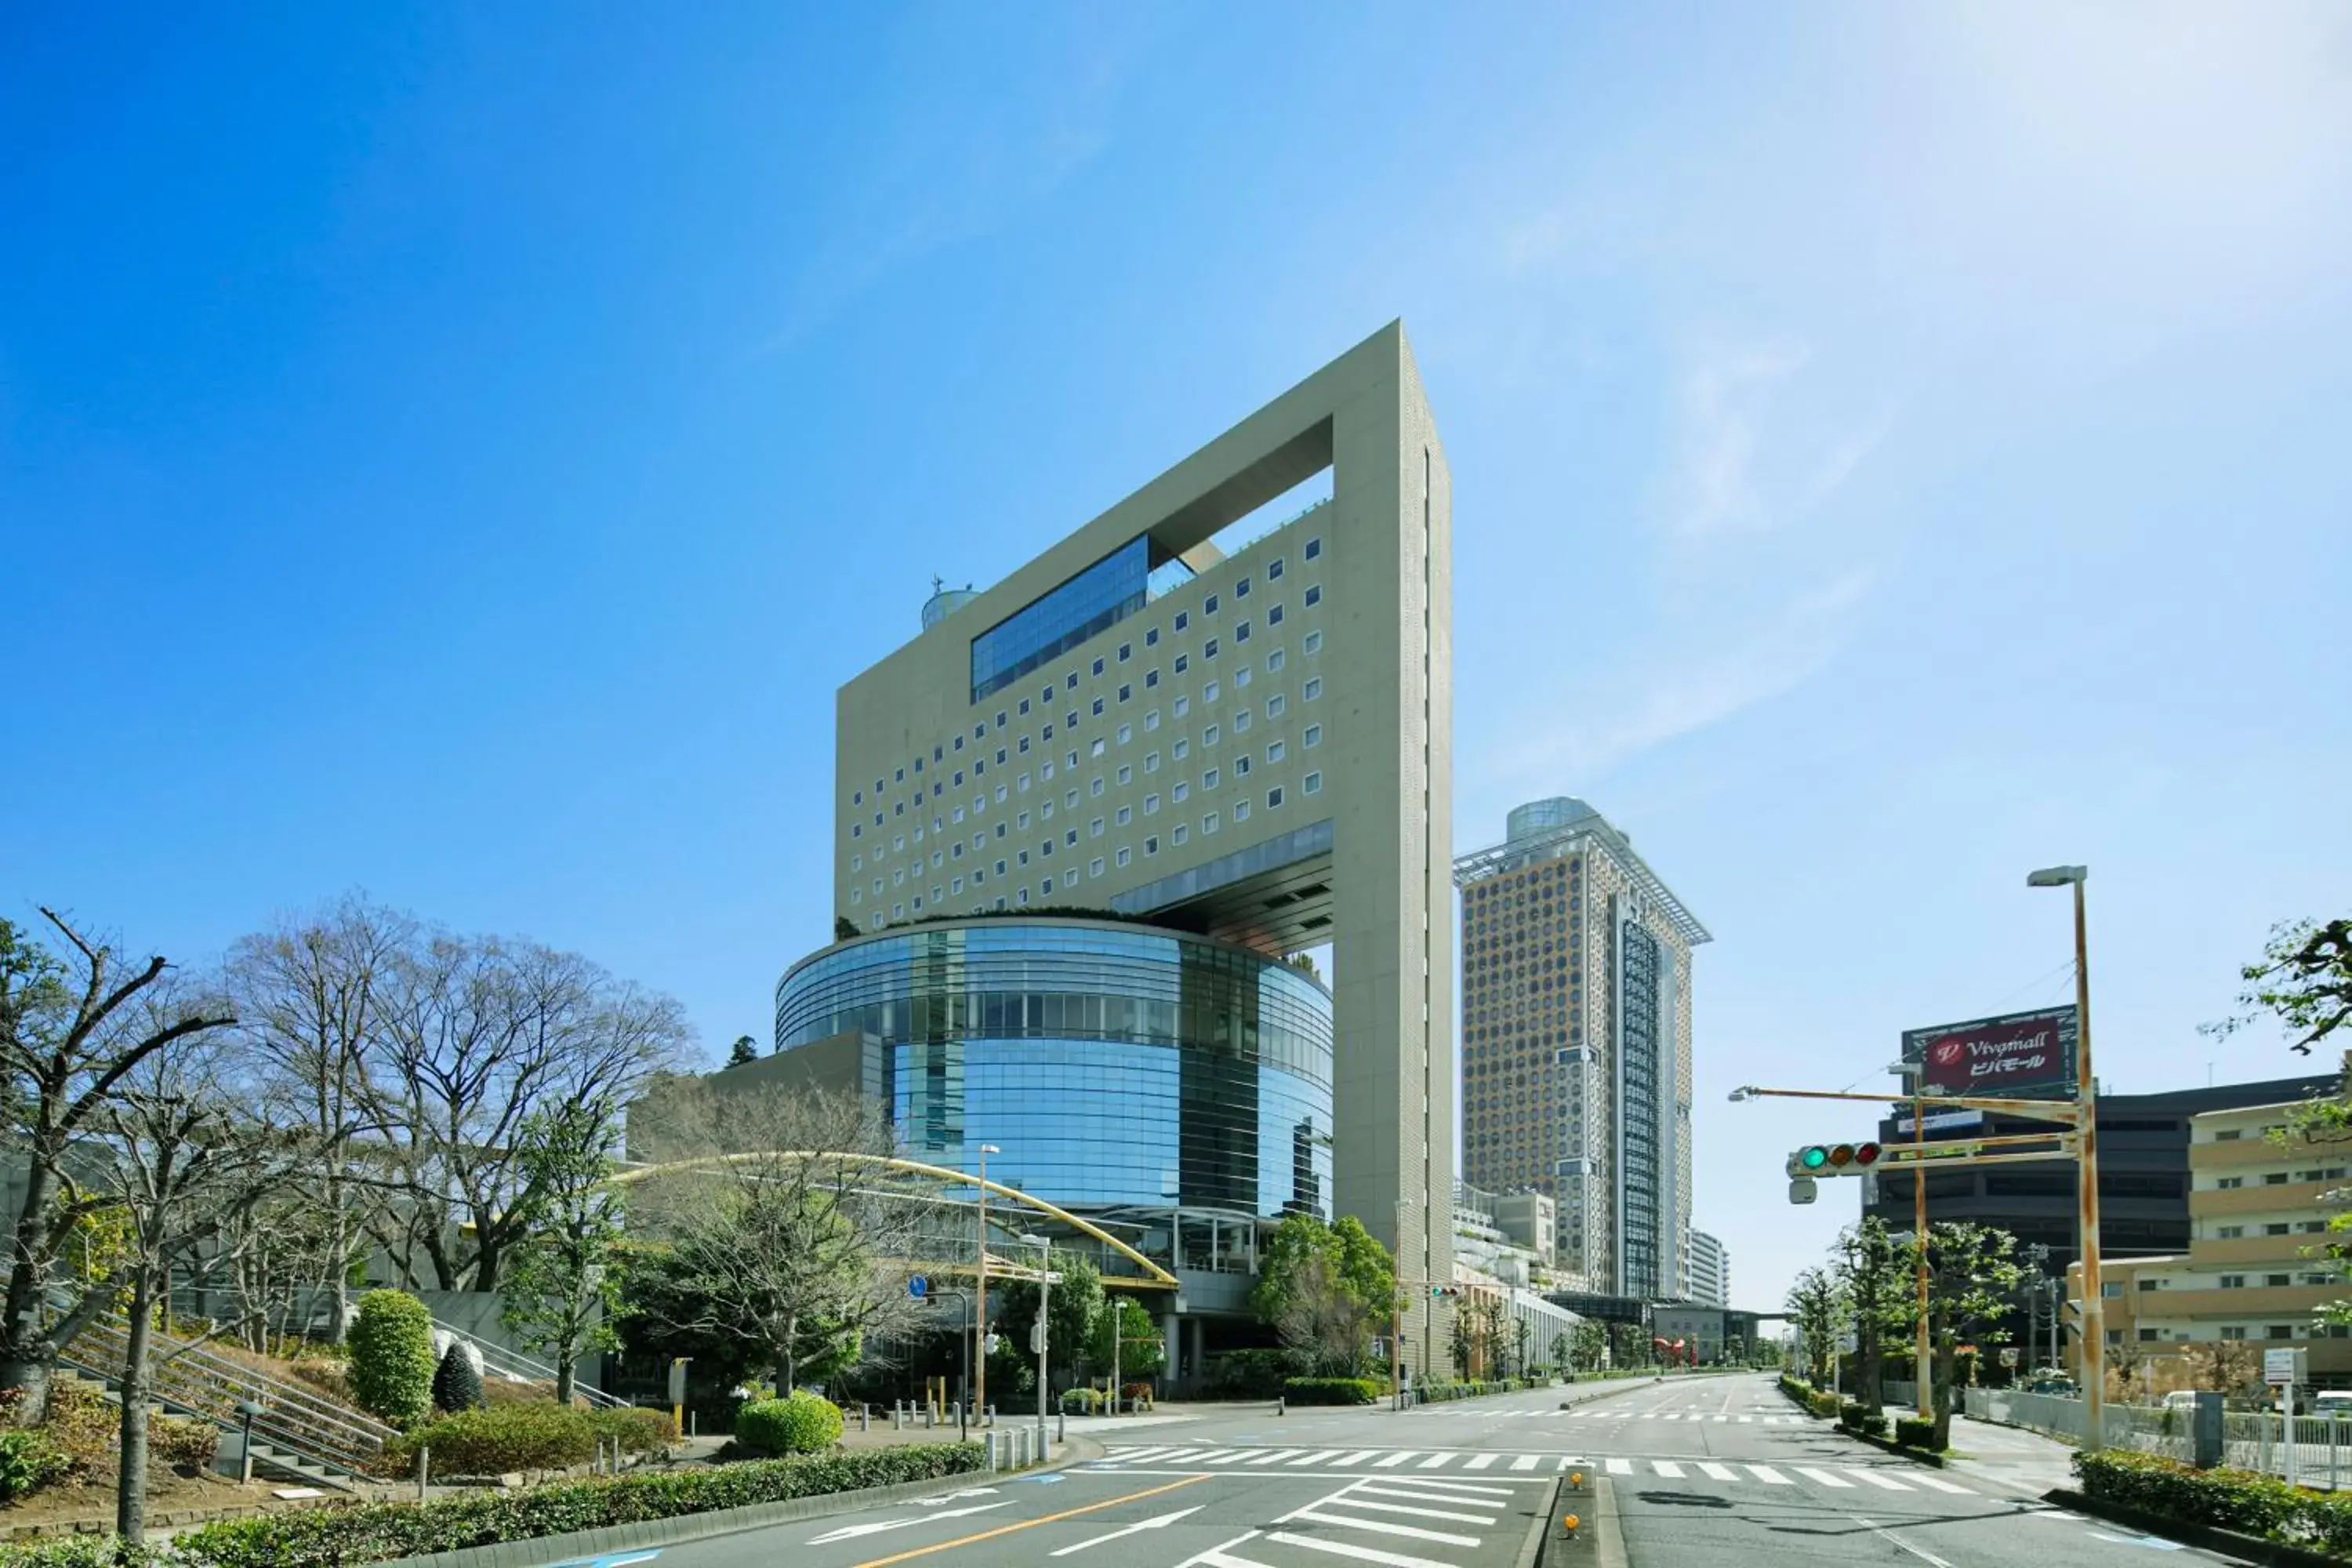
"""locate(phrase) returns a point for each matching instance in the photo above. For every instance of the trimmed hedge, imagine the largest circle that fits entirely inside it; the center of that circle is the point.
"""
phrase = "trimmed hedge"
(803, 1423)
(345, 1537)
(1915, 1432)
(1330, 1391)
(495, 1439)
(1816, 1401)
(2242, 1501)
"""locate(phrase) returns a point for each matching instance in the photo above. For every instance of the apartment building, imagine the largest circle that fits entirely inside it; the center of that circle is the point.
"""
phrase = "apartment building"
(2256, 1271)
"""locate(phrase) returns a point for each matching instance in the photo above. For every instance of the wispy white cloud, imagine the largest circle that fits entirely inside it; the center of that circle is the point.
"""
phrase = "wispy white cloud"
(1757, 445)
(1681, 696)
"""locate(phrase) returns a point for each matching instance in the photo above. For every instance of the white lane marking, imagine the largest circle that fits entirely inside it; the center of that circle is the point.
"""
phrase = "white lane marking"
(1136, 1456)
(2160, 1544)
(1271, 1455)
(1358, 1500)
(1823, 1476)
(1621, 1467)
(851, 1531)
(1218, 1455)
(1921, 1553)
(1770, 1477)
(1317, 1457)
(1436, 1461)
(1668, 1468)
(1433, 1486)
(1931, 1238)
(1885, 1483)
(1215, 1557)
(1358, 1458)
(1525, 1461)
(1480, 1461)
(1401, 1455)
(1163, 1522)
(1941, 1485)
(1348, 1549)
(1383, 1527)
(1725, 1472)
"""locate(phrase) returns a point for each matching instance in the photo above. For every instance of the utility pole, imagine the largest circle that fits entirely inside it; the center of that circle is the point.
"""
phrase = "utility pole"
(2086, 1100)
(979, 1291)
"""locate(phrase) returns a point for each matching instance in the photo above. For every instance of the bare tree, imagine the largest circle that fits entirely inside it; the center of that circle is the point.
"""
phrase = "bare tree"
(788, 1239)
(72, 1031)
(310, 996)
(480, 1033)
(184, 1152)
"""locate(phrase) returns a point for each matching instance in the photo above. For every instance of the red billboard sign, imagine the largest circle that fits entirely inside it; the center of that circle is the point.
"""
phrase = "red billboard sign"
(2025, 1054)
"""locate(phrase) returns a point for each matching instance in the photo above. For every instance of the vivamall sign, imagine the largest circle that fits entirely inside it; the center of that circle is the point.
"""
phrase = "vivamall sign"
(2030, 1054)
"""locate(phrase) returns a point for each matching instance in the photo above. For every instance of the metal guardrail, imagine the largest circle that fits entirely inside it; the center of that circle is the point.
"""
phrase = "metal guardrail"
(516, 1367)
(2312, 1450)
(302, 1424)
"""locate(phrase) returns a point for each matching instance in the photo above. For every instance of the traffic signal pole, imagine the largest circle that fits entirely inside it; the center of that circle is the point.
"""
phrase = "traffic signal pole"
(1922, 1385)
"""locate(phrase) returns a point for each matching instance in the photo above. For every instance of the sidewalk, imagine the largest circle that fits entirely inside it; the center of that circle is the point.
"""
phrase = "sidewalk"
(2010, 1457)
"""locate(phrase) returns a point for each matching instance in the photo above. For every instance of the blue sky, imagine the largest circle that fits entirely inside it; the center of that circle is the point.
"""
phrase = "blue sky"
(456, 453)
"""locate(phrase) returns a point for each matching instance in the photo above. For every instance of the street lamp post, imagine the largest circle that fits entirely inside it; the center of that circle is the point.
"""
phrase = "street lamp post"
(980, 1292)
(1044, 1286)
(2086, 1097)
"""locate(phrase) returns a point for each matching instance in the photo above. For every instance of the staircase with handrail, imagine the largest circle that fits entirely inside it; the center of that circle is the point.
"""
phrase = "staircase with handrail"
(296, 1431)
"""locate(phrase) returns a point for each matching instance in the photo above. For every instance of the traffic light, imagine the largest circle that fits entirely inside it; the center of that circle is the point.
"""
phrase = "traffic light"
(1443, 1292)
(1834, 1159)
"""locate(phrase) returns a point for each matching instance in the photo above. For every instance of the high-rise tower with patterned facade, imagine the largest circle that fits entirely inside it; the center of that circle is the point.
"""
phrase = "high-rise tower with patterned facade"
(1576, 1043)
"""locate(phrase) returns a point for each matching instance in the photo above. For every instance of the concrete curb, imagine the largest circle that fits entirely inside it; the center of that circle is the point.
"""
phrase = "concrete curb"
(2229, 1542)
(683, 1527)
(1531, 1550)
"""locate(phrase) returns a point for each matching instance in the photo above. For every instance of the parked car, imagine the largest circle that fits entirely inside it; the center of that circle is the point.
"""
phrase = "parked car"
(2180, 1399)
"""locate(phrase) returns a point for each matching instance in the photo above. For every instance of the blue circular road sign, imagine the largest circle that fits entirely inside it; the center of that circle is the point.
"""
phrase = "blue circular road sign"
(918, 1287)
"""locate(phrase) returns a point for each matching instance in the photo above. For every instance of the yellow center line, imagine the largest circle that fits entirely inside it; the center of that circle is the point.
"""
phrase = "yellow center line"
(1030, 1523)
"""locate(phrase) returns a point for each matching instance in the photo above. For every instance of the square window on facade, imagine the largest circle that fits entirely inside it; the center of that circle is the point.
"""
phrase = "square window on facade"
(1209, 648)
(1180, 833)
(1183, 619)
(1273, 615)
(1151, 845)
(1209, 606)
(1241, 631)
(1095, 785)
(1209, 736)
(1095, 868)
(1209, 692)
(1125, 814)
(1181, 790)
(1241, 720)
(1314, 547)
(1096, 707)
(1209, 778)
(1098, 666)
(1274, 797)
(1150, 761)
(1183, 705)
(1241, 589)
(1125, 855)
(1273, 662)
(1151, 679)
(1126, 693)
(1181, 750)
(1274, 705)
(1150, 806)
(1274, 755)
(1241, 677)
(1126, 734)
(1151, 720)
(1073, 684)
(1241, 764)
(1095, 748)
(1241, 811)
(1183, 663)
(1314, 687)
(1313, 784)
(1124, 650)
(1314, 596)
(1311, 643)
(1209, 823)
(1273, 570)
(1094, 830)
(1125, 774)
(1151, 637)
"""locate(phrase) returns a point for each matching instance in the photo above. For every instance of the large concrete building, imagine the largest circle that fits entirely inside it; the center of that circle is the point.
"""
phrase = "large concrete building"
(1576, 1030)
(1706, 1275)
(2252, 1276)
(1250, 743)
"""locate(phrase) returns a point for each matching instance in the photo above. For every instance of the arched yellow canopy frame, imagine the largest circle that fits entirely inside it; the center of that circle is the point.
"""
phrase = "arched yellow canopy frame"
(1153, 1277)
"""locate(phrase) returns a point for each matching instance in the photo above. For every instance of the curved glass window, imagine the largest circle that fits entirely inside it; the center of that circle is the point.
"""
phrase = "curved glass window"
(1114, 1066)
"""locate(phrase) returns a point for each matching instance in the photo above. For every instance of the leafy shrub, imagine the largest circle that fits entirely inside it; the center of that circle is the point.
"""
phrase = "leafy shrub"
(392, 1357)
(639, 1431)
(1855, 1413)
(81, 1551)
(375, 1532)
(458, 1382)
(29, 1460)
(803, 1423)
(496, 1439)
(1242, 1374)
(1084, 1401)
(184, 1445)
(1915, 1432)
(2242, 1501)
(1330, 1391)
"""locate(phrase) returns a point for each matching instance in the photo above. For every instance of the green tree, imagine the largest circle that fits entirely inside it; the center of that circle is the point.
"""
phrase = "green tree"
(2303, 979)
(1324, 1290)
(1816, 1308)
(1875, 1277)
(1141, 1352)
(1587, 1342)
(563, 1280)
(1560, 1348)
(1972, 1278)
(844, 928)
(745, 1051)
(1073, 1304)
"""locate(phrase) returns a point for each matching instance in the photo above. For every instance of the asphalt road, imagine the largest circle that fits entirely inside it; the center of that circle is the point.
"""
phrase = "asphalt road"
(1709, 1471)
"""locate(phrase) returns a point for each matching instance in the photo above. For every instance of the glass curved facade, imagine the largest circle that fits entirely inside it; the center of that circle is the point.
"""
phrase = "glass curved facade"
(1115, 1066)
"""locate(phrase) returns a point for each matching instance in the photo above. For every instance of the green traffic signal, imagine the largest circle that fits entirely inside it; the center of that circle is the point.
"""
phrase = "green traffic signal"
(1816, 1157)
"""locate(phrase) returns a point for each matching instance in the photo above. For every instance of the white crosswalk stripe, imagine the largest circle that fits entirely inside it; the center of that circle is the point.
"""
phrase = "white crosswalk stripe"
(1352, 1550)
(1487, 1476)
